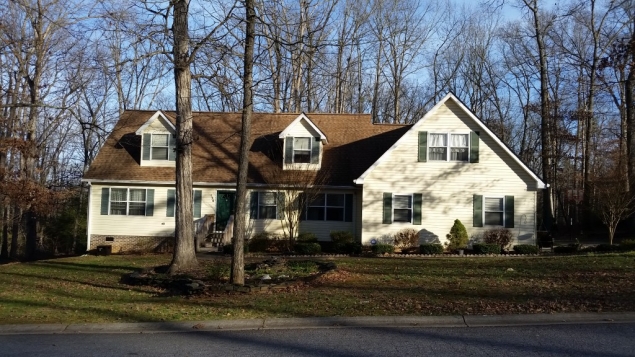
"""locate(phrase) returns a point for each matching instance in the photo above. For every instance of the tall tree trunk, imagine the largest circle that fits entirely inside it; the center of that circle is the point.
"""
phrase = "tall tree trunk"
(240, 226)
(4, 251)
(15, 231)
(545, 117)
(630, 114)
(184, 257)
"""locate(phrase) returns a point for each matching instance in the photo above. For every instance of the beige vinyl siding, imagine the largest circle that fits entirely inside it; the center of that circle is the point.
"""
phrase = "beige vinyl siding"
(160, 225)
(302, 129)
(447, 187)
(156, 225)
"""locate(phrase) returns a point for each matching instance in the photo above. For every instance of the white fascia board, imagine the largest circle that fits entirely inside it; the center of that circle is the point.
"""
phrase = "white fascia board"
(301, 117)
(154, 117)
(539, 183)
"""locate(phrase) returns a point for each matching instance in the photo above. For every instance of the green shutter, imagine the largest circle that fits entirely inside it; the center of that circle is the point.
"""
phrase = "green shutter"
(474, 140)
(348, 207)
(147, 141)
(315, 150)
(387, 208)
(198, 198)
(253, 206)
(477, 218)
(150, 202)
(171, 203)
(171, 148)
(509, 211)
(416, 211)
(280, 205)
(288, 150)
(423, 146)
(105, 200)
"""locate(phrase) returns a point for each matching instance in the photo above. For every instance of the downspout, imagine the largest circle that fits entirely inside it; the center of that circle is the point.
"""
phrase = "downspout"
(88, 214)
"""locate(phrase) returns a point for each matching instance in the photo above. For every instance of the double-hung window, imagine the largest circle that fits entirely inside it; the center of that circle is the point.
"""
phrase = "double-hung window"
(267, 205)
(160, 146)
(458, 146)
(128, 201)
(402, 208)
(494, 210)
(302, 150)
(438, 147)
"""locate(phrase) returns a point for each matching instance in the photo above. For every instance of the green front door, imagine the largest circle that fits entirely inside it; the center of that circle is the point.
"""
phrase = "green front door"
(225, 207)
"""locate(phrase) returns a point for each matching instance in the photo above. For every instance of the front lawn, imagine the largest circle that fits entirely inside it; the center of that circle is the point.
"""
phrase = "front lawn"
(88, 289)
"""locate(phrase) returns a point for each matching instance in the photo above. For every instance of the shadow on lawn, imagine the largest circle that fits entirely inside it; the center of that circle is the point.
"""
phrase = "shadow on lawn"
(84, 267)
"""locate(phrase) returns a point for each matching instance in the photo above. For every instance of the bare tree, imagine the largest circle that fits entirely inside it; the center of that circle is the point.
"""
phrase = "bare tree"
(240, 226)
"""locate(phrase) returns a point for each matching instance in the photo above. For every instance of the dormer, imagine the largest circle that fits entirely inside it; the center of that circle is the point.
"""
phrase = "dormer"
(303, 142)
(158, 139)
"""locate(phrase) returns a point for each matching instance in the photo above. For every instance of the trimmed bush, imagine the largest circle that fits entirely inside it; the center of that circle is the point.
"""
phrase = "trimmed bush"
(501, 236)
(606, 248)
(381, 248)
(308, 248)
(627, 245)
(457, 238)
(525, 249)
(431, 248)
(406, 238)
(264, 242)
(342, 237)
(566, 249)
(307, 237)
(485, 248)
(353, 248)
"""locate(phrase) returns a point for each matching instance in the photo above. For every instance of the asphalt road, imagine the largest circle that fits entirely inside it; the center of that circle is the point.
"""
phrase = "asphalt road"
(585, 340)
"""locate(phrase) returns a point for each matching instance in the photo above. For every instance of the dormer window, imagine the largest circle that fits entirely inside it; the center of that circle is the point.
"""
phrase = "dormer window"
(158, 149)
(302, 150)
(160, 146)
(302, 142)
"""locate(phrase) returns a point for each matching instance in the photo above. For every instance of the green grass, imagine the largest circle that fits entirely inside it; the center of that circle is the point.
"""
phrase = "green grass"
(88, 289)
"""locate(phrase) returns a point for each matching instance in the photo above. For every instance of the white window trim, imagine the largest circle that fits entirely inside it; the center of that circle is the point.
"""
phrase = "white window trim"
(325, 206)
(127, 201)
(412, 203)
(152, 146)
(275, 198)
(310, 150)
(449, 147)
(493, 225)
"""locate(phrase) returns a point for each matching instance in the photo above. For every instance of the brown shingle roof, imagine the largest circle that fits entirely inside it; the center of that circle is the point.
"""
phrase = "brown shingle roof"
(354, 144)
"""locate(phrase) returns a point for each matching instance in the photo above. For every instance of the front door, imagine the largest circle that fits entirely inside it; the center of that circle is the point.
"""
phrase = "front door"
(225, 207)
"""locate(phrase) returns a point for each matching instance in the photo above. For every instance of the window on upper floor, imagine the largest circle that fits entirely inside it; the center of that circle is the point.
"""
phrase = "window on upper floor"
(302, 150)
(457, 145)
(462, 147)
(159, 146)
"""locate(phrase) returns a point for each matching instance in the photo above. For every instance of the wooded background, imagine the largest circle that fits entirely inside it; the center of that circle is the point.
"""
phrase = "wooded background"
(555, 83)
